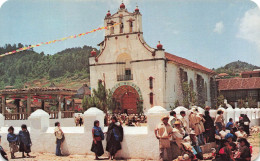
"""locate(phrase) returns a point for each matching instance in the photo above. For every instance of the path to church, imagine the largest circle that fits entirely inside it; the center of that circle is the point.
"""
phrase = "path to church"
(254, 141)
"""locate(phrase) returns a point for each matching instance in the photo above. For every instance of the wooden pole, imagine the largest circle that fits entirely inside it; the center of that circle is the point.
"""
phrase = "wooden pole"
(28, 105)
(3, 105)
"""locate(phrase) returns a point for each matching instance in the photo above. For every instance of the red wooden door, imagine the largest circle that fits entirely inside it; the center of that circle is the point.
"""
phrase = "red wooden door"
(129, 102)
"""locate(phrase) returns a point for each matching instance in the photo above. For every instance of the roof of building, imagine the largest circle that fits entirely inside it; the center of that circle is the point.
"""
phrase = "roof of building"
(187, 63)
(223, 74)
(251, 72)
(239, 83)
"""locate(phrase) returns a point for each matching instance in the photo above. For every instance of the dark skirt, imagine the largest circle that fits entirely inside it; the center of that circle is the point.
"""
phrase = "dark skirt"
(97, 148)
(24, 148)
(113, 146)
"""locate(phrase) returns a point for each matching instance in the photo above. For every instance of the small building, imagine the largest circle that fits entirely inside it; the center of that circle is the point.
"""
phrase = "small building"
(250, 74)
(234, 89)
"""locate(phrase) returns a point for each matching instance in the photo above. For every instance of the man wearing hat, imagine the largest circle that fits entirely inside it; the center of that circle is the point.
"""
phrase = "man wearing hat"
(3, 155)
(177, 136)
(164, 132)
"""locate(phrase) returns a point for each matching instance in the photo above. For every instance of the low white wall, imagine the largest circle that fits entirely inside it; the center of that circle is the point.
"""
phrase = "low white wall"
(78, 140)
(138, 143)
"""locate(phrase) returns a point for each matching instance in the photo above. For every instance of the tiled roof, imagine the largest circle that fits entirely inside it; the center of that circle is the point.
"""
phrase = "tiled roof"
(223, 74)
(251, 72)
(187, 63)
(239, 83)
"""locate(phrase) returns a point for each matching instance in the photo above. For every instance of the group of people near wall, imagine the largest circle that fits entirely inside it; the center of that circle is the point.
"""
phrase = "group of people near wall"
(17, 142)
(78, 120)
(114, 137)
(181, 140)
(127, 119)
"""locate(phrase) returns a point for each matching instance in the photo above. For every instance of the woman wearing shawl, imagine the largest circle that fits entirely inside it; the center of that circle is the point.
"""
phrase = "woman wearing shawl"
(114, 137)
(98, 136)
(25, 141)
(246, 124)
(209, 128)
(244, 153)
(13, 141)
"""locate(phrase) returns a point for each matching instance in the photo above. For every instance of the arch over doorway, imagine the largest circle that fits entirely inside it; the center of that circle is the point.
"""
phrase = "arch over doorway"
(127, 96)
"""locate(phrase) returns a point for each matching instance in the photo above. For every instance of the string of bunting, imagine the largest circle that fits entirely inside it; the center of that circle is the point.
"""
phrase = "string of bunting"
(53, 41)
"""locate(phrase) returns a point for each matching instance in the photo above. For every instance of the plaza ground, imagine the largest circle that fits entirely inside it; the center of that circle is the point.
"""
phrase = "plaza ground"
(254, 141)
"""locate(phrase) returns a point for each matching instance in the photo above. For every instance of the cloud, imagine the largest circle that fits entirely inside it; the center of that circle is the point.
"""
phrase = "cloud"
(2, 2)
(249, 27)
(219, 27)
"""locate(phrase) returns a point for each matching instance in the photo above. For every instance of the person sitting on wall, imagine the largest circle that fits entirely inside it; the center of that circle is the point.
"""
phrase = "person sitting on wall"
(115, 135)
(25, 141)
(98, 136)
(163, 133)
(13, 141)
(59, 138)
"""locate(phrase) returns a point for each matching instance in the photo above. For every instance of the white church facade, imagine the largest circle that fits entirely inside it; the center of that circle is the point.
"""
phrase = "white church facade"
(140, 75)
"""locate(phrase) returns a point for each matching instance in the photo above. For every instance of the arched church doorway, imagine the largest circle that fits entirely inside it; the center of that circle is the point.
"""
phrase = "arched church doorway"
(127, 99)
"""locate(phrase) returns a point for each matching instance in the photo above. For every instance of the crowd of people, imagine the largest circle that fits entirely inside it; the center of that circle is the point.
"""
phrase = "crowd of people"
(181, 140)
(127, 119)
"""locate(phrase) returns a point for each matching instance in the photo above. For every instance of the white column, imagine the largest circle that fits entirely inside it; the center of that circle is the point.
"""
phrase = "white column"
(39, 120)
(2, 121)
(90, 116)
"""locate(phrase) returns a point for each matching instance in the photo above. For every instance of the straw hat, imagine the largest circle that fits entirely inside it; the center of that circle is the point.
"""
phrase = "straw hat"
(177, 123)
(165, 117)
(207, 107)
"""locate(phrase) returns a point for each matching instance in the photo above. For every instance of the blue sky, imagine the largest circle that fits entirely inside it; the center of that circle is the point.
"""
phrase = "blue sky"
(210, 32)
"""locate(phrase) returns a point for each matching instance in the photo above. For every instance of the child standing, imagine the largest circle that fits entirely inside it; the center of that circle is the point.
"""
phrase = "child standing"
(25, 141)
(13, 141)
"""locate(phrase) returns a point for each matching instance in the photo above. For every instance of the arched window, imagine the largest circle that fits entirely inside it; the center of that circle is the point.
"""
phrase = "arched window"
(151, 82)
(151, 98)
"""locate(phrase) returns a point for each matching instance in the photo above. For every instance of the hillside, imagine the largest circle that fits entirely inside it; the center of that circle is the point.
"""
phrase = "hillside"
(68, 68)
(235, 68)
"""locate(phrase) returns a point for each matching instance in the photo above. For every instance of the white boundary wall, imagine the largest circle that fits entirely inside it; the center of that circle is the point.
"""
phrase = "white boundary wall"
(139, 142)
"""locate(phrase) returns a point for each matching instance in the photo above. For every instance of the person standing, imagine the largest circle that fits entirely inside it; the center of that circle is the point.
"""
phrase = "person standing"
(80, 120)
(184, 123)
(246, 121)
(115, 135)
(98, 136)
(163, 133)
(172, 118)
(209, 127)
(59, 138)
(25, 141)
(3, 153)
(13, 141)
(177, 137)
(219, 119)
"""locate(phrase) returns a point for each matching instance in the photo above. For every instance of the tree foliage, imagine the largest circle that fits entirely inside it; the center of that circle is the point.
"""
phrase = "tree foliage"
(26, 66)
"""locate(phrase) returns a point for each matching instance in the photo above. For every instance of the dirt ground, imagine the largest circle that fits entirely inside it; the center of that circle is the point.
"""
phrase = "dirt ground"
(254, 141)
